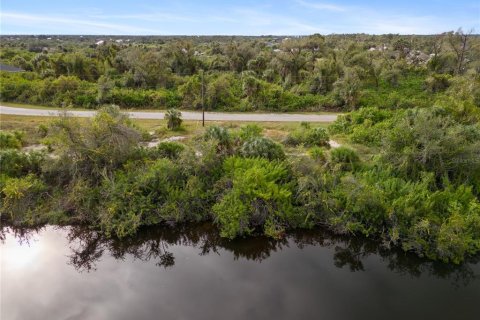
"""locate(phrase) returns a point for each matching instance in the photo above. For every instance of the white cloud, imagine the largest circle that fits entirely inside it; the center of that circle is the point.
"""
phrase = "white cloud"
(321, 6)
(69, 25)
(259, 22)
(155, 17)
(307, 17)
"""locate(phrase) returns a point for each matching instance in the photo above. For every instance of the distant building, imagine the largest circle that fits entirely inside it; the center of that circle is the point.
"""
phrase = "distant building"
(7, 68)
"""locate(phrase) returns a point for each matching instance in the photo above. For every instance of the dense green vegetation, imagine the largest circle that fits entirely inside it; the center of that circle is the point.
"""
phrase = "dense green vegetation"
(421, 192)
(335, 72)
(407, 172)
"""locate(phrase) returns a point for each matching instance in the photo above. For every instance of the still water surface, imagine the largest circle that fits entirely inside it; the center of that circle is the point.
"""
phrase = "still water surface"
(190, 273)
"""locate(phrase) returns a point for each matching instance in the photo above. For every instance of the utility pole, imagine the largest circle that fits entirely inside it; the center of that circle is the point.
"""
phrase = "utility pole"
(203, 100)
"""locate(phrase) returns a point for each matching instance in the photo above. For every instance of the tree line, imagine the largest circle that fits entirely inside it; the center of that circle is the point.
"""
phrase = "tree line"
(335, 72)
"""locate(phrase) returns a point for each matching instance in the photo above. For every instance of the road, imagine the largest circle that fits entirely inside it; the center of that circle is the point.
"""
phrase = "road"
(186, 115)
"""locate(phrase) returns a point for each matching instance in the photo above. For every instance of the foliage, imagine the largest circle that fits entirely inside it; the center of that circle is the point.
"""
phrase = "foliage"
(439, 224)
(427, 140)
(250, 131)
(171, 150)
(93, 149)
(258, 196)
(317, 154)
(174, 119)
(240, 73)
(344, 158)
(11, 140)
(221, 136)
(21, 198)
(365, 126)
(437, 82)
(263, 148)
(16, 164)
(157, 192)
(415, 125)
(308, 136)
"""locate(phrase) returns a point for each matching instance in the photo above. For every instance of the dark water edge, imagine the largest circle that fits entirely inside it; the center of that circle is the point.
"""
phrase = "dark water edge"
(189, 272)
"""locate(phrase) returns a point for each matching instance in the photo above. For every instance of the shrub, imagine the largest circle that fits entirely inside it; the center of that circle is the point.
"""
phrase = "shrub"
(92, 149)
(15, 163)
(344, 158)
(371, 114)
(343, 124)
(169, 150)
(217, 133)
(437, 82)
(147, 195)
(427, 140)
(317, 154)
(11, 140)
(21, 199)
(221, 135)
(366, 126)
(42, 130)
(441, 224)
(263, 148)
(174, 119)
(371, 134)
(259, 197)
(317, 137)
(308, 137)
(250, 131)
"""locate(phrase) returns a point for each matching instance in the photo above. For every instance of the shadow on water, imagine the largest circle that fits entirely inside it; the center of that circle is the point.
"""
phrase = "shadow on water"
(152, 244)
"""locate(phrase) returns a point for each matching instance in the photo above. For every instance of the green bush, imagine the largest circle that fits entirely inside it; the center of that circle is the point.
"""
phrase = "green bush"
(15, 163)
(344, 158)
(42, 130)
(308, 136)
(222, 137)
(11, 140)
(429, 140)
(250, 131)
(263, 148)
(22, 198)
(259, 197)
(156, 192)
(441, 224)
(371, 134)
(437, 82)
(171, 150)
(317, 154)
(91, 149)
(174, 119)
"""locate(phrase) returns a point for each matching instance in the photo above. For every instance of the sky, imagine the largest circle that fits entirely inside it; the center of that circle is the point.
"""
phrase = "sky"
(250, 17)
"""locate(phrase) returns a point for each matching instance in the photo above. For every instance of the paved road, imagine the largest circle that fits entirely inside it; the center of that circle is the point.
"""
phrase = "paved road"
(186, 115)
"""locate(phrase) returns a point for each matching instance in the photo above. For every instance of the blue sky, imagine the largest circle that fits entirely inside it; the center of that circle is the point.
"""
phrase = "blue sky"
(260, 17)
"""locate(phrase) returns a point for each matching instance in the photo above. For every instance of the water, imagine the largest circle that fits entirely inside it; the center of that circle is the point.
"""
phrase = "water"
(190, 273)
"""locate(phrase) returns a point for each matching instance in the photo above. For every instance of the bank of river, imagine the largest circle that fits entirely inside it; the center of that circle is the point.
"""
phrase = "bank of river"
(191, 273)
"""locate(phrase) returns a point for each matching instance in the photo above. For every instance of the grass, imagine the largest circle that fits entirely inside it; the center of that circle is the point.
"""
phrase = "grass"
(274, 130)
(28, 124)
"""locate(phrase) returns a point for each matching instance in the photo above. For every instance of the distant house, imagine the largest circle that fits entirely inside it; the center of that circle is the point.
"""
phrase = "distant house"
(7, 68)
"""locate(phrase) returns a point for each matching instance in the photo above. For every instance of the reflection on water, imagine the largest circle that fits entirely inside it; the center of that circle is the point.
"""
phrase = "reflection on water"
(293, 265)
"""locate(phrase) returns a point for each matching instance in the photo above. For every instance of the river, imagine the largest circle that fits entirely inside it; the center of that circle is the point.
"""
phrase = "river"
(191, 273)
